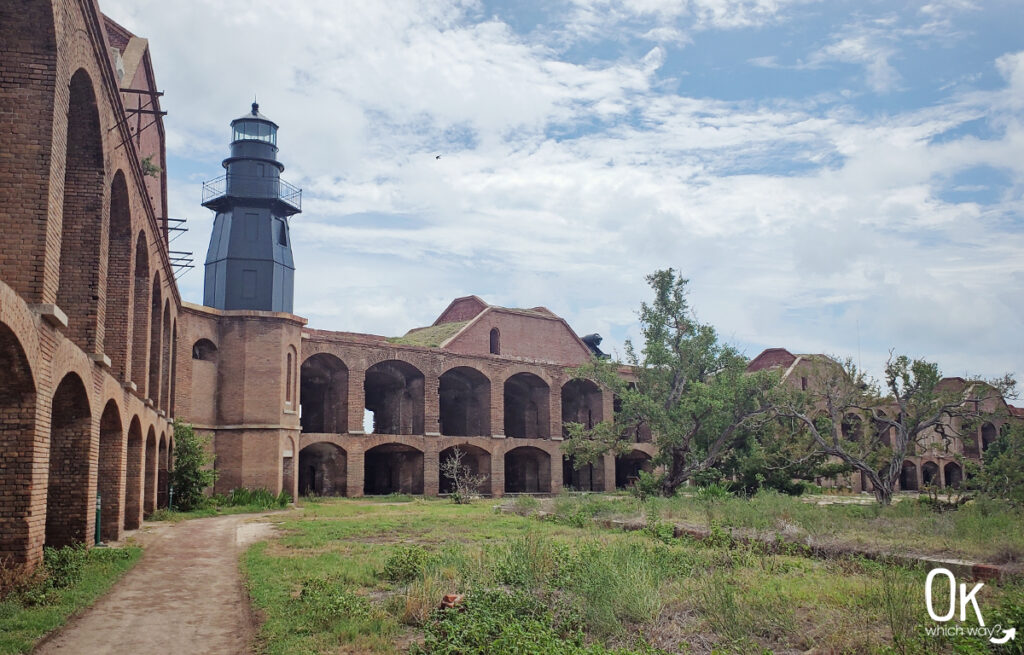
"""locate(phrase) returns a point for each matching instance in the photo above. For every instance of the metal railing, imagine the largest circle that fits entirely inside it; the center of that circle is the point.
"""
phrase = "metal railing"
(271, 188)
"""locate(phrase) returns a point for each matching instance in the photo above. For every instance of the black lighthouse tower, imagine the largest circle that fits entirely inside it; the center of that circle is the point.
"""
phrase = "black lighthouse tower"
(249, 264)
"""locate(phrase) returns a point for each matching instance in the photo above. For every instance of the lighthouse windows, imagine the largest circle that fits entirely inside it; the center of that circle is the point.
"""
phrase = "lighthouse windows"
(282, 233)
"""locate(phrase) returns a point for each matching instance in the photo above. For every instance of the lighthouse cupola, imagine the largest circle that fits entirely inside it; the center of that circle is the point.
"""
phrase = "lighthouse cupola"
(249, 263)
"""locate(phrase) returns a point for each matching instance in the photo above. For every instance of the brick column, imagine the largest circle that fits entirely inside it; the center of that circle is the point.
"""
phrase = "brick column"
(498, 472)
(431, 472)
(555, 413)
(607, 405)
(356, 407)
(497, 408)
(556, 457)
(609, 472)
(354, 475)
(431, 406)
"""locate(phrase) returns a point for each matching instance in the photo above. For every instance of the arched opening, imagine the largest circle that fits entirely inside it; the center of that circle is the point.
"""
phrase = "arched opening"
(635, 430)
(628, 467)
(464, 396)
(110, 480)
(527, 408)
(930, 474)
(67, 502)
(323, 470)
(119, 278)
(954, 475)
(165, 360)
(134, 476)
(852, 427)
(204, 350)
(394, 393)
(323, 394)
(17, 433)
(140, 311)
(495, 341)
(587, 477)
(527, 470)
(581, 403)
(288, 461)
(908, 476)
(162, 475)
(989, 434)
(475, 461)
(882, 430)
(150, 473)
(156, 319)
(393, 468)
(79, 291)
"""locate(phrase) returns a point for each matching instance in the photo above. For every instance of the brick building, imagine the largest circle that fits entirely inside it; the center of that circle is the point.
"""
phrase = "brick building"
(99, 353)
(934, 461)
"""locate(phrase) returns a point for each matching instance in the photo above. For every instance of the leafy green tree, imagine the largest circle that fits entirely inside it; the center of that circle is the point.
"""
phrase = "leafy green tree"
(871, 431)
(192, 473)
(689, 388)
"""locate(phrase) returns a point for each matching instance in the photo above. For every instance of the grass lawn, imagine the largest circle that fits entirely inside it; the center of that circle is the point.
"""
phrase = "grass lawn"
(983, 530)
(358, 576)
(35, 610)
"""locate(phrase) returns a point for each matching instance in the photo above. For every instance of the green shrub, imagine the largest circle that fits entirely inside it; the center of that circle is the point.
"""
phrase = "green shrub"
(64, 565)
(192, 474)
(405, 563)
(257, 498)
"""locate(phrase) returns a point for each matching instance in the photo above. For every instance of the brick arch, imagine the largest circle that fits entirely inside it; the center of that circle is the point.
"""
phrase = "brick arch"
(323, 469)
(393, 468)
(27, 30)
(323, 393)
(156, 308)
(110, 481)
(629, 465)
(165, 359)
(67, 495)
(464, 402)
(162, 460)
(394, 392)
(140, 313)
(134, 475)
(527, 470)
(117, 322)
(582, 402)
(80, 291)
(527, 406)
(930, 473)
(150, 472)
(17, 432)
(475, 460)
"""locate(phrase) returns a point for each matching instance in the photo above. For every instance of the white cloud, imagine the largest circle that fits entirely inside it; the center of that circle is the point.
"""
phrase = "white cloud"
(802, 222)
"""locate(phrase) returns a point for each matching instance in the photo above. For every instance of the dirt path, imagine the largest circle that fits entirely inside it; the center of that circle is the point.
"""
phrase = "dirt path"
(184, 596)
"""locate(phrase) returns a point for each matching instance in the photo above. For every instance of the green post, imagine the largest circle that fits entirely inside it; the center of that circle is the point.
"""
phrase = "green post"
(98, 514)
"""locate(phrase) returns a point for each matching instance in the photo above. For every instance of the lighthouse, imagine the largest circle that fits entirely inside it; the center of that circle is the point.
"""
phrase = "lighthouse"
(249, 263)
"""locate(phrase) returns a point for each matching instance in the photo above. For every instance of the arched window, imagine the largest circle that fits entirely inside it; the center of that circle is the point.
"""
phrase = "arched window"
(204, 350)
(495, 341)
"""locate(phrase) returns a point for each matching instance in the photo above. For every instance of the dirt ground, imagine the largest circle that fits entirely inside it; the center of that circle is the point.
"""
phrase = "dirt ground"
(184, 596)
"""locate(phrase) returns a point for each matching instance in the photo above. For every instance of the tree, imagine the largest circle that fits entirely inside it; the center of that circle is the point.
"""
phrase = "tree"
(692, 391)
(192, 461)
(851, 420)
(467, 483)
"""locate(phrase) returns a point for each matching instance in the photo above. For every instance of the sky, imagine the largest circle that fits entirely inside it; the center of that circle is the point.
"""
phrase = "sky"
(842, 177)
